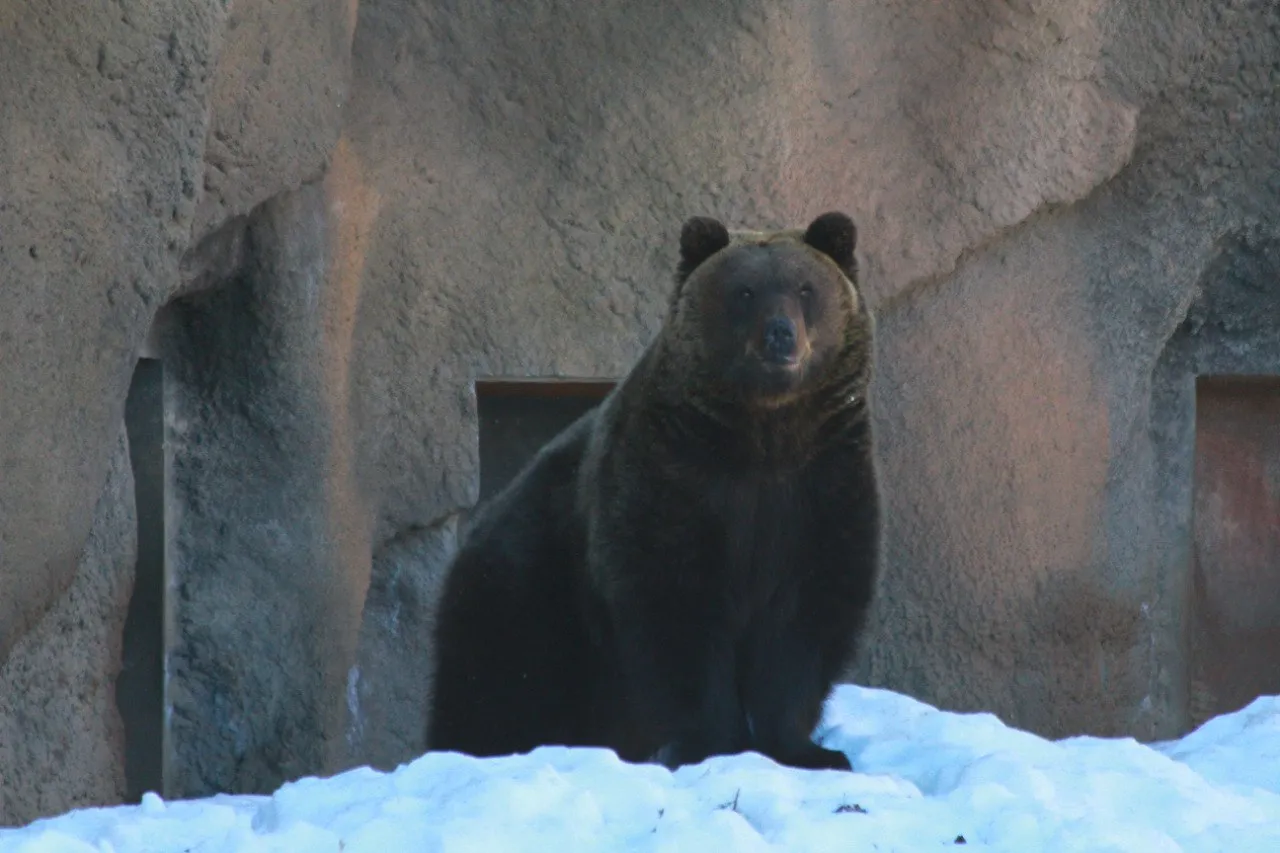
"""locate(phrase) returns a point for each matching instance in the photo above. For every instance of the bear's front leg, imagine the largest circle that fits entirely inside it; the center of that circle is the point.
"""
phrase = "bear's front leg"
(676, 669)
(786, 679)
(792, 654)
(799, 643)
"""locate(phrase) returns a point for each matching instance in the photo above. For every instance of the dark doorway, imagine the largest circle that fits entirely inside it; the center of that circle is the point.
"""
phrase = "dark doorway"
(517, 417)
(1235, 625)
(140, 685)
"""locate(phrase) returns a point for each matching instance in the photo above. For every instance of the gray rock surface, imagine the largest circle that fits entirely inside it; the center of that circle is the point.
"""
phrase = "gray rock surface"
(275, 103)
(388, 689)
(102, 119)
(269, 549)
(61, 739)
(328, 221)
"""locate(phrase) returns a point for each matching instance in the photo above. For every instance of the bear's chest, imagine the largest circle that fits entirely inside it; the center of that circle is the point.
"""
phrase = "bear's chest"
(764, 522)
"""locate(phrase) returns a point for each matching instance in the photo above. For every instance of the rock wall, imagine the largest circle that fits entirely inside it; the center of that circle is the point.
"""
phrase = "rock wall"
(61, 740)
(328, 220)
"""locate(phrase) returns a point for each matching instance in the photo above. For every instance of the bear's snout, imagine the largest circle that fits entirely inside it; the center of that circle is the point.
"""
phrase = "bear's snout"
(780, 340)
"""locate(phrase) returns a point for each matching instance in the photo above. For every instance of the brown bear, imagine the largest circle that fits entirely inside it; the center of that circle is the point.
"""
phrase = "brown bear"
(685, 570)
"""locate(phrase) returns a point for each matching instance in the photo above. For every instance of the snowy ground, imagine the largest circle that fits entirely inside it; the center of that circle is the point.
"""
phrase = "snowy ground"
(926, 780)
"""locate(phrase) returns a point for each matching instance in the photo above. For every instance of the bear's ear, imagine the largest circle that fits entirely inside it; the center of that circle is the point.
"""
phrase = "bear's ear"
(700, 238)
(835, 236)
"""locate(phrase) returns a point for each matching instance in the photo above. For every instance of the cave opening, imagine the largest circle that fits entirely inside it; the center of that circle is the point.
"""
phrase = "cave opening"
(1235, 572)
(140, 685)
(517, 417)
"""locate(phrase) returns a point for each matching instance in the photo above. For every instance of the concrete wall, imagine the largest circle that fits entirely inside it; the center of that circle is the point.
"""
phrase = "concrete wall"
(328, 218)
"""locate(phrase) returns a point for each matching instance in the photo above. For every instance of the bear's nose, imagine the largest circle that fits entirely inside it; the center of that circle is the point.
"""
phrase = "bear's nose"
(779, 339)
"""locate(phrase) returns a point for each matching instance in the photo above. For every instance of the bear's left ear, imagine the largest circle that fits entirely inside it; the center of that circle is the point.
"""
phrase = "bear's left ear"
(835, 236)
(700, 238)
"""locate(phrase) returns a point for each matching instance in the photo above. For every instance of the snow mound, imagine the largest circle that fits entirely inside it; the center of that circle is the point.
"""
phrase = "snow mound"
(925, 780)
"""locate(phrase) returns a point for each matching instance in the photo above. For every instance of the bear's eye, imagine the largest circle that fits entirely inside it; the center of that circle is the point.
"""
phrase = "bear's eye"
(744, 294)
(806, 291)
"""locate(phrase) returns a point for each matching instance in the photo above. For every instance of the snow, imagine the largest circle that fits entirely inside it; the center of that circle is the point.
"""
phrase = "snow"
(925, 780)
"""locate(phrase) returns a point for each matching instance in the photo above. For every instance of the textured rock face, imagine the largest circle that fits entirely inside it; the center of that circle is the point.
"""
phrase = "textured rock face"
(268, 576)
(275, 102)
(61, 739)
(103, 116)
(328, 221)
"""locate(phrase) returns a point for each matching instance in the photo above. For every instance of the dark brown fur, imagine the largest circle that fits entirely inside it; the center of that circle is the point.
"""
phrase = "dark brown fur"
(684, 571)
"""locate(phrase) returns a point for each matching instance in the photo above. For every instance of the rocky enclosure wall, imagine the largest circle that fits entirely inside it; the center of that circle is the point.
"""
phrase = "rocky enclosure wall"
(327, 218)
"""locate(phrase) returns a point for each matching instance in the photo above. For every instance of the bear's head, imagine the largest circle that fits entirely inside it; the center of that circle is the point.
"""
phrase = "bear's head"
(770, 315)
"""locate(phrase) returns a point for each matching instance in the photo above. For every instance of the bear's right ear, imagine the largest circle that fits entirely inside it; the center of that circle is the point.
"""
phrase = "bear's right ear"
(700, 238)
